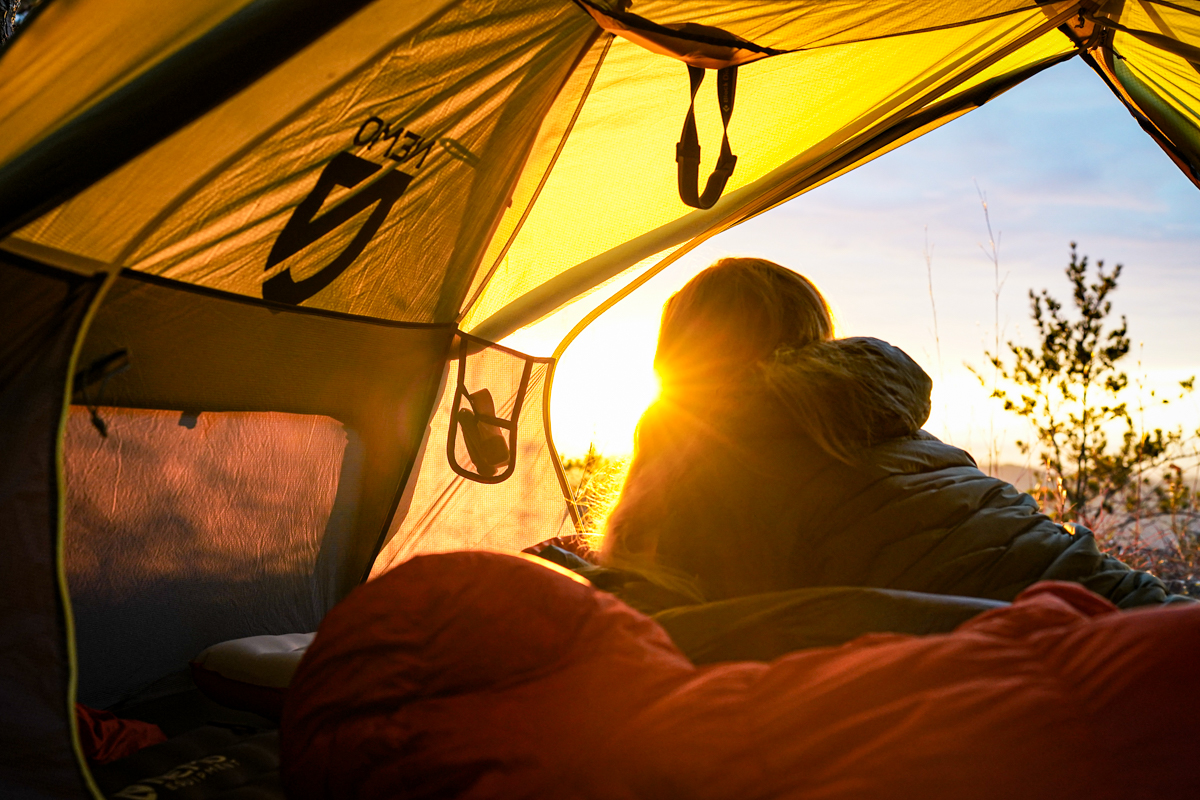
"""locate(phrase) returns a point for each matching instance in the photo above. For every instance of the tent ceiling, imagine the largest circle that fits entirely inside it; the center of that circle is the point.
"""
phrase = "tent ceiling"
(461, 160)
(795, 113)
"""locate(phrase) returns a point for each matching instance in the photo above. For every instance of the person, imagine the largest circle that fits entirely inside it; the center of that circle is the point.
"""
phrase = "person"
(778, 457)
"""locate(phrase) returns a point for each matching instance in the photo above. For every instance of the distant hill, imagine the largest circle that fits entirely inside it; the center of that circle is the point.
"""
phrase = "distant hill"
(1019, 476)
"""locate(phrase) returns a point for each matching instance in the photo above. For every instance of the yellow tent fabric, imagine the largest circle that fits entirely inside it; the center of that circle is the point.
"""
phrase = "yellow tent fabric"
(1148, 53)
(483, 163)
(439, 144)
(795, 115)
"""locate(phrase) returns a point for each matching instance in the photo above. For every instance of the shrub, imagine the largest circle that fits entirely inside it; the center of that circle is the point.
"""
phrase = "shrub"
(1098, 467)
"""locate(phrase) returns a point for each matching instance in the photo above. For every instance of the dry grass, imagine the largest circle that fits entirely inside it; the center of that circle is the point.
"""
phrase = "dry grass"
(596, 481)
(1153, 524)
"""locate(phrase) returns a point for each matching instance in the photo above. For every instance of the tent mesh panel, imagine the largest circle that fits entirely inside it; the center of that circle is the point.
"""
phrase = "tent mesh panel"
(450, 512)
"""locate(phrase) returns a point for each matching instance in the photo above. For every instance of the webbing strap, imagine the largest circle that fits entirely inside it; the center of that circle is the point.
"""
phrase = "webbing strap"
(687, 151)
(99, 371)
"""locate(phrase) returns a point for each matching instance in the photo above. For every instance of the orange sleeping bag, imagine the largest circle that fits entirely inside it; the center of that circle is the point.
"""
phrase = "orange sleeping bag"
(492, 676)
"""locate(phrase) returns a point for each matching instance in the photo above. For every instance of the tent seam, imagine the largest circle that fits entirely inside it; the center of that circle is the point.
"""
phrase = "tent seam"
(770, 52)
(1190, 11)
(271, 305)
(587, 90)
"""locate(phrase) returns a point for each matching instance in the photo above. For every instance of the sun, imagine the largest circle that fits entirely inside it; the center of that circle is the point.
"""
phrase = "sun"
(602, 385)
(605, 378)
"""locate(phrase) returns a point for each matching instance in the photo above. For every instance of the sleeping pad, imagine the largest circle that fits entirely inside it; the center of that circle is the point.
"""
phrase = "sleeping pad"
(482, 675)
(763, 627)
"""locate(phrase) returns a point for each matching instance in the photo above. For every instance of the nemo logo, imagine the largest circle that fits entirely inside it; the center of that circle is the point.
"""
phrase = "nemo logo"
(178, 779)
(304, 227)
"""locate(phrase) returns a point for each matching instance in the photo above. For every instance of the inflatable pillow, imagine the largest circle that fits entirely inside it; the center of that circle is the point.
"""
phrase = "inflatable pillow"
(480, 675)
(250, 674)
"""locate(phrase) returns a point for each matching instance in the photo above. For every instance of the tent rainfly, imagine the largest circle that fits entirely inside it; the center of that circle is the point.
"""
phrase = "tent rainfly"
(254, 256)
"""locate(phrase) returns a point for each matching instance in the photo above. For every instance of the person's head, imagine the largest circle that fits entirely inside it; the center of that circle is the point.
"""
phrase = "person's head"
(720, 334)
(746, 351)
(733, 317)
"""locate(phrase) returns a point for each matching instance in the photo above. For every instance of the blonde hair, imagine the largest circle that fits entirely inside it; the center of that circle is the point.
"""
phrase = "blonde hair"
(732, 316)
(749, 337)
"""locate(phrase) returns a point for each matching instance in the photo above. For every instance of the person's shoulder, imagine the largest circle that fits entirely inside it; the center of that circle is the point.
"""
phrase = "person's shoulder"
(921, 452)
(872, 348)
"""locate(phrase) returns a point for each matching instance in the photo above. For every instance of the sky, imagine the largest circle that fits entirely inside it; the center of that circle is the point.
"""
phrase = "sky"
(1057, 158)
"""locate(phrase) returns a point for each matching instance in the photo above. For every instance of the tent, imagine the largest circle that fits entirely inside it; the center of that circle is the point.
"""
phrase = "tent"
(255, 257)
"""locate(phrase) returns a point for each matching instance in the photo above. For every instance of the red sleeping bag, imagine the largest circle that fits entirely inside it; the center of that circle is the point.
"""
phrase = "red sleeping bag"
(491, 676)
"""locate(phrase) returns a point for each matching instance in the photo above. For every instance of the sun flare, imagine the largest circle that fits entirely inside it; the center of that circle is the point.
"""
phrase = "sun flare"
(602, 385)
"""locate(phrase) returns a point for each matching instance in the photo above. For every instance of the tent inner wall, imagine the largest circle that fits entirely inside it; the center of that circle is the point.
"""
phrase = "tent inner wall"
(41, 314)
(187, 529)
(199, 350)
(253, 458)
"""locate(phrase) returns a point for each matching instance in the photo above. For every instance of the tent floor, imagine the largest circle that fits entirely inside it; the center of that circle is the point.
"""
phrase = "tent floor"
(207, 763)
(212, 752)
(187, 709)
